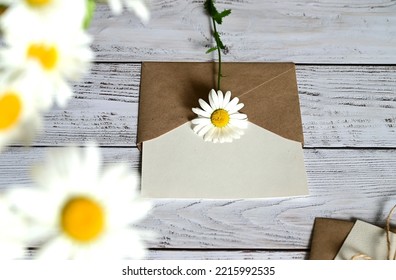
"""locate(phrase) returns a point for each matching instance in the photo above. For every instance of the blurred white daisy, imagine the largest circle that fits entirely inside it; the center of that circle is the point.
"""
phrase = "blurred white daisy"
(219, 121)
(13, 231)
(20, 113)
(139, 7)
(83, 212)
(27, 15)
(54, 58)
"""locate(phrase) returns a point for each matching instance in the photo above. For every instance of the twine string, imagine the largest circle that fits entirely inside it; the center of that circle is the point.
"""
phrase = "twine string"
(360, 256)
(388, 241)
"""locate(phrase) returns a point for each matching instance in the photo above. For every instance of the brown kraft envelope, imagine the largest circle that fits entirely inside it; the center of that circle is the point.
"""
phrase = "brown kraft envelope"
(327, 237)
(169, 90)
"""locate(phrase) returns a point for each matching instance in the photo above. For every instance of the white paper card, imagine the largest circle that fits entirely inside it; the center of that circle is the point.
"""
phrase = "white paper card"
(367, 239)
(179, 164)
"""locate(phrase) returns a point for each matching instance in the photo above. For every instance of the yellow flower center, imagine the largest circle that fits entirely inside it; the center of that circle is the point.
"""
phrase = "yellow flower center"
(220, 118)
(46, 55)
(10, 110)
(38, 3)
(82, 219)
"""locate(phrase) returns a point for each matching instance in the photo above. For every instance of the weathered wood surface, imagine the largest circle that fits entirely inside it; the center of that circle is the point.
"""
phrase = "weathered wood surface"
(348, 113)
(346, 184)
(341, 106)
(302, 31)
(226, 255)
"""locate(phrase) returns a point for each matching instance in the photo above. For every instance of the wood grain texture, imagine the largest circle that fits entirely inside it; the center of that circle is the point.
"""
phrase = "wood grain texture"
(345, 184)
(104, 109)
(226, 255)
(341, 106)
(302, 31)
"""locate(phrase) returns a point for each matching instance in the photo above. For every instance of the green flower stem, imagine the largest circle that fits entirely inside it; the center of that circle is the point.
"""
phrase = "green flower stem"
(219, 75)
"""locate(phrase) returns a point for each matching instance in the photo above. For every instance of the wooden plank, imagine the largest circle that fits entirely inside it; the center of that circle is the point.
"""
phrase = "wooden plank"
(303, 31)
(348, 106)
(345, 184)
(104, 109)
(342, 106)
(226, 255)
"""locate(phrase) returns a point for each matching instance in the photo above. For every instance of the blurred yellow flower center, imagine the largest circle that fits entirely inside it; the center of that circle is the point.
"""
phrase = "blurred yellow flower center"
(82, 219)
(10, 110)
(46, 55)
(220, 118)
(37, 3)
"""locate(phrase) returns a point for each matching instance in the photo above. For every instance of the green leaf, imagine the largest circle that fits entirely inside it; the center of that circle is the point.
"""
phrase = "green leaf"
(91, 5)
(219, 16)
(210, 8)
(218, 40)
(211, 50)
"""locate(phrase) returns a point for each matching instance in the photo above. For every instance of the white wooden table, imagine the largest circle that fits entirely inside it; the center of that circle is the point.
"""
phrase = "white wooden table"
(345, 52)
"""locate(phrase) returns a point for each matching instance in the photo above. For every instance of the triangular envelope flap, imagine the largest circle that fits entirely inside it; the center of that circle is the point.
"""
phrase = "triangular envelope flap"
(280, 113)
(170, 89)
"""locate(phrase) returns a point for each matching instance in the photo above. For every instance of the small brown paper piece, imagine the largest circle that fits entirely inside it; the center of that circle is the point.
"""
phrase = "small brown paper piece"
(328, 237)
(169, 90)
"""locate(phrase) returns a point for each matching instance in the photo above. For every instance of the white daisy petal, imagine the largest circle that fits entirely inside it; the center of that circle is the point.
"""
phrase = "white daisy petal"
(36, 204)
(201, 113)
(209, 135)
(216, 135)
(198, 127)
(211, 100)
(234, 132)
(205, 130)
(11, 250)
(134, 248)
(227, 135)
(115, 6)
(238, 116)
(227, 98)
(57, 249)
(119, 217)
(215, 99)
(236, 108)
(200, 121)
(232, 104)
(220, 98)
(239, 123)
(205, 106)
(139, 8)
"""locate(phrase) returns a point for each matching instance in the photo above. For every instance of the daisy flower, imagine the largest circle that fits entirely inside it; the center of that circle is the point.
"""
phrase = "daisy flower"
(81, 211)
(20, 113)
(25, 15)
(54, 58)
(12, 233)
(139, 7)
(219, 121)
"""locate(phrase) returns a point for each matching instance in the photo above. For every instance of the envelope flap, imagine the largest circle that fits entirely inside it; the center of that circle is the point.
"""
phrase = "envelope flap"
(274, 103)
(170, 89)
(327, 237)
